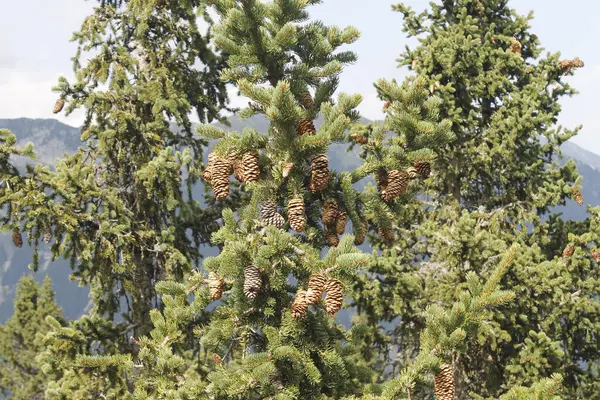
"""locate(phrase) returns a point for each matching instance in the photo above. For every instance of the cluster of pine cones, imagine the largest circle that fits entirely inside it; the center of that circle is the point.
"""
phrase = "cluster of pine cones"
(334, 221)
(295, 212)
(317, 284)
(269, 214)
(252, 283)
(218, 170)
(568, 65)
(394, 183)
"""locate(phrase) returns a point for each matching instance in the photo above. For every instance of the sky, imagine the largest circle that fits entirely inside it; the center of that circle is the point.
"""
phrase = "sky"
(35, 51)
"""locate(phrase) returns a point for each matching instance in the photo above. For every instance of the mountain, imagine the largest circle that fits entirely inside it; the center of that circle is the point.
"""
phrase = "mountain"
(52, 139)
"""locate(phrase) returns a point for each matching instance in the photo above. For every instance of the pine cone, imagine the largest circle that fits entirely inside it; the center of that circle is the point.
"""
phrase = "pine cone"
(568, 251)
(306, 126)
(275, 220)
(424, 169)
(577, 196)
(397, 182)
(331, 237)
(359, 237)
(306, 100)
(386, 106)
(335, 296)
(340, 222)
(268, 209)
(58, 106)
(444, 383)
(47, 236)
(358, 138)
(329, 212)
(319, 173)
(236, 164)
(252, 282)
(207, 173)
(568, 65)
(17, 239)
(296, 214)
(387, 235)
(316, 285)
(250, 168)
(515, 46)
(300, 305)
(215, 286)
(596, 256)
(220, 178)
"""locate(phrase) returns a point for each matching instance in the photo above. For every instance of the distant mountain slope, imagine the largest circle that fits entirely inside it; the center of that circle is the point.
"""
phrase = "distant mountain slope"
(52, 139)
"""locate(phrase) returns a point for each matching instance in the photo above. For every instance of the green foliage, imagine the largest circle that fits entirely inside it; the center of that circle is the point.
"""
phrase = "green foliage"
(167, 323)
(20, 376)
(491, 186)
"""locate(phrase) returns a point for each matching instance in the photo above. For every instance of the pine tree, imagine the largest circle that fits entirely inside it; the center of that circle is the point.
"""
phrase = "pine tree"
(20, 376)
(496, 179)
(121, 208)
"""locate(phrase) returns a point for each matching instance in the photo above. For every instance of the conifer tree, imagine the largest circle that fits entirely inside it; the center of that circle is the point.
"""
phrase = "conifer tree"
(20, 376)
(493, 185)
(271, 336)
(118, 207)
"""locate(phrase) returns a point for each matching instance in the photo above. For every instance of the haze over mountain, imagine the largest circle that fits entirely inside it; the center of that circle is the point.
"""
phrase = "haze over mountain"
(52, 139)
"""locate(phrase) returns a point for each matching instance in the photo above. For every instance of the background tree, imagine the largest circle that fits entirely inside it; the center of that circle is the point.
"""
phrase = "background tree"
(121, 208)
(492, 186)
(20, 375)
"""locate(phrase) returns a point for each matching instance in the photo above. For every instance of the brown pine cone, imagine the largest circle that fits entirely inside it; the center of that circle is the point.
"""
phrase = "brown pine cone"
(329, 212)
(568, 251)
(300, 305)
(275, 220)
(268, 209)
(423, 168)
(331, 237)
(568, 65)
(306, 100)
(340, 222)
(47, 236)
(319, 173)
(215, 286)
(17, 239)
(252, 282)
(220, 173)
(58, 106)
(515, 46)
(397, 183)
(358, 138)
(577, 196)
(296, 215)
(335, 296)
(316, 285)
(387, 235)
(596, 256)
(207, 173)
(306, 126)
(444, 383)
(250, 168)
(386, 106)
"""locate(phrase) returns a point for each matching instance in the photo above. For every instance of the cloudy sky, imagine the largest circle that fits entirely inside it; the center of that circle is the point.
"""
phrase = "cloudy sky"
(35, 51)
